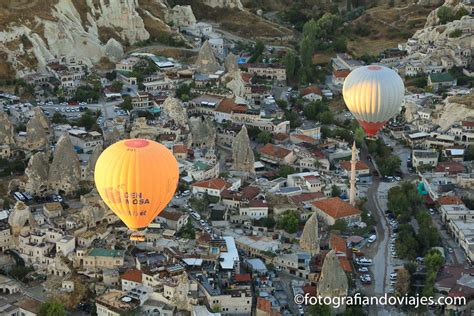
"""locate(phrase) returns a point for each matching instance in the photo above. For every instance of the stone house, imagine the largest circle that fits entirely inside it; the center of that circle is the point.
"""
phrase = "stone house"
(276, 155)
(173, 219)
(437, 81)
(332, 209)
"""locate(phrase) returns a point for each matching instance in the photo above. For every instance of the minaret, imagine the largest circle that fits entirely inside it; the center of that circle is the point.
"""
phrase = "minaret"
(352, 193)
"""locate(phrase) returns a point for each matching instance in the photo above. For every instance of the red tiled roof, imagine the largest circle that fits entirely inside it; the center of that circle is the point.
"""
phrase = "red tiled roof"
(338, 243)
(180, 149)
(360, 165)
(450, 200)
(341, 73)
(450, 166)
(468, 123)
(311, 290)
(311, 89)
(228, 106)
(245, 277)
(304, 138)
(336, 208)
(264, 305)
(274, 151)
(307, 197)
(246, 77)
(134, 275)
(216, 183)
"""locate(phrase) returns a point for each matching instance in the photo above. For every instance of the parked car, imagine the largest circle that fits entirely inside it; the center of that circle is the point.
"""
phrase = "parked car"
(363, 269)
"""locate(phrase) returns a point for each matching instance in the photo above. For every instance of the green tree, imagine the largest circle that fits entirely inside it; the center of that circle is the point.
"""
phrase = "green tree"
(116, 86)
(264, 137)
(87, 120)
(188, 230)
(340, 225)
(469, 154)
(388, 166)
(320, 310)
(257, 51)
(183, 90)
(326, 117)
(335, 191)
(58, 118)
(359, 135)
(293, 117)
(407, 243)
(127, 103)
(52, 307)
(433, 262)
(285, 170)
(291, 63)
(289, 221)
(282, 104)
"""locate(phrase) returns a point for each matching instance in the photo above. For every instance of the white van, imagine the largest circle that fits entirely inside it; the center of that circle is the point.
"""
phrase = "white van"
(372, 238)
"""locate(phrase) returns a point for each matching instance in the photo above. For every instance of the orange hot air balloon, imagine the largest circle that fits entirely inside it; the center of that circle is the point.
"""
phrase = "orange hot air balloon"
(136, 178)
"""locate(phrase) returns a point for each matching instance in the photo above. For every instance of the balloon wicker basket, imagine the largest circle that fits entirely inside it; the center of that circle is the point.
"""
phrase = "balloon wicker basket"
(372, 137)
(137, 236)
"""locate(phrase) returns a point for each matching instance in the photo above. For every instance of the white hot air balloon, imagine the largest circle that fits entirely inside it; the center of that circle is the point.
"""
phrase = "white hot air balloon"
(374, 95)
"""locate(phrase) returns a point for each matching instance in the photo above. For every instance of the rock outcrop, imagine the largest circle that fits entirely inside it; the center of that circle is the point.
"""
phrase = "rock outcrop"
(19, 218)
(237, 84)
(230, 63)
(333, 280)
(203, 132)
(89, 174)
(309, 240)
(243, 159)
(6, 130)
(39, 115)
(230, 4)
(207, 63)
(94, 210)
(175, 111)
(113, 136)
(77, 29)
(455, 109)
(65, 171)
(37, 173)
(433, 18)
(36, 136)
(181, 15)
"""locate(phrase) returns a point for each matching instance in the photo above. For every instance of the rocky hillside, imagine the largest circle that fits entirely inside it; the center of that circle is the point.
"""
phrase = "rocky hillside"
(34, 32)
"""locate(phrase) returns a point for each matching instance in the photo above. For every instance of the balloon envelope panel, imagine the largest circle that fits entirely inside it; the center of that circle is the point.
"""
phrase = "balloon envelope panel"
(374, 95)
(136, 178)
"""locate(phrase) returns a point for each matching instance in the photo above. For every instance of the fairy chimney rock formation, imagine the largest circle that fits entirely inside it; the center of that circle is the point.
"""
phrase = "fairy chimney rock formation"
(37, 172)
(19, 218)
(207, 63)
(65, 171)
(333, 280)
(6, 130)
(36, 136)
(175, 111)
(309, 240)
(243, 159)
(203, 132)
